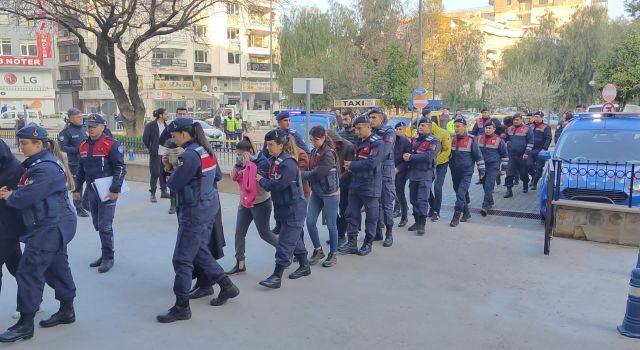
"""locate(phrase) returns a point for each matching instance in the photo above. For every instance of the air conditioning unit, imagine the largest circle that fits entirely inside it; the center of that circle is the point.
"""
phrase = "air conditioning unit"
(205, 88)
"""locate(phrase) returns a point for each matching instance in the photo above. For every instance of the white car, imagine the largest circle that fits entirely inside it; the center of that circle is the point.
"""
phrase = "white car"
(8, 118)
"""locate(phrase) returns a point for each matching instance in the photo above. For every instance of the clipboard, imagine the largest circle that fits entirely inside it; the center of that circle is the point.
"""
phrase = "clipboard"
(103, 184)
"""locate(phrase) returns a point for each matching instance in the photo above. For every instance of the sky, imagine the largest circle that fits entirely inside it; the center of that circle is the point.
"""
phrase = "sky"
(616, 7)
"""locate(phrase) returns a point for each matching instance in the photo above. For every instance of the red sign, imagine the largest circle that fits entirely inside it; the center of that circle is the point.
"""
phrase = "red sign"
(608, 107)
(20, 61)
(609, 93)
(420, 101)
(44, 44)
(10, 79)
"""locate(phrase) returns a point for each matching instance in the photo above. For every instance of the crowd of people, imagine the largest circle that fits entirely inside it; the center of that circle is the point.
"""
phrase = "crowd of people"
(362, 168)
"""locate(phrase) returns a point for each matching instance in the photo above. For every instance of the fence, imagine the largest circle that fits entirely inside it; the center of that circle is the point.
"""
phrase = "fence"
(135, 149)
(616, 184)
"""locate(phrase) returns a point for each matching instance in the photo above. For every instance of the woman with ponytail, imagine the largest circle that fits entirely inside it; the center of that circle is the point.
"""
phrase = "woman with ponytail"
(197, 203)
(42, 198)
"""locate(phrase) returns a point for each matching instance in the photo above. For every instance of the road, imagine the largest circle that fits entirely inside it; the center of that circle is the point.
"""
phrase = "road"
(479, 286)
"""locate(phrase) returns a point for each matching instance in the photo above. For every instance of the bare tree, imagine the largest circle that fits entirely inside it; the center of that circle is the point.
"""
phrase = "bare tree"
(525, 88)
(119, 27)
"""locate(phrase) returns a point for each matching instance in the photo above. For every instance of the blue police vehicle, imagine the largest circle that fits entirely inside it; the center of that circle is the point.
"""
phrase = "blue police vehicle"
(598, 157)
(299, 122)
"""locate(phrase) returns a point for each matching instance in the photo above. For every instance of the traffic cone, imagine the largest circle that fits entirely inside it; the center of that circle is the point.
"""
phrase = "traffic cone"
(630, 326)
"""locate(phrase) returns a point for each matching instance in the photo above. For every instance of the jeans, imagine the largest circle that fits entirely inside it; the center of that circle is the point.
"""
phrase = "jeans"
(435, 197)
(260, 214)
(329, 206)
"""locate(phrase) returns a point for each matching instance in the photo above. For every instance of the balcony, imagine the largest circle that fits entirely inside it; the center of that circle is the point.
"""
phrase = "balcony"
(259, 21)
(202, 67)
(261, 67)
(169, 63)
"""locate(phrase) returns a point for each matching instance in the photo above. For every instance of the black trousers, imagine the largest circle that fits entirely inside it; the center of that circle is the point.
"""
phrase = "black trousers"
(156, 170)
(342, 217)
(10, 255)
(401, 185)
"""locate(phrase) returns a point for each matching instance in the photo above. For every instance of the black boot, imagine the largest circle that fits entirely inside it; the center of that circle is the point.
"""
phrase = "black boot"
(228, 290)
(378, 236)
(509, 193)
(422, 221)
(172, 206)
(22, 330)
(200, 292)
(525, 187)
(466, 215)
(318, 255)
(332, 260)
(179, 312)
(105, 265)
(415, 224)
(435, 217)
(275, 279)
(342, 241)
(152, 198)
(366, 247)
(96, 263)
(534, 185)
(65, 315)
(80, 211)
(303, 270)
(430, 212)
(455, 221)
(240, 267)
(164, 194)
(388, 239)
(351, 247)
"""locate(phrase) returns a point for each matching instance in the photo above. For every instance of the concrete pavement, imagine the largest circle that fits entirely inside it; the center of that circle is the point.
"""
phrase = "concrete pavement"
(479, 286)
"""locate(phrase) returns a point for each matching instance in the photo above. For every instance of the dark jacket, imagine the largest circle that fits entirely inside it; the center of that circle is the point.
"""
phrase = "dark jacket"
(323, 172)
(478, 127)
(519, 140)
(101, 158)
(11, 226)
(69, 140)
(151, 137)
(402, 146)
(541, 136)
(344, 149)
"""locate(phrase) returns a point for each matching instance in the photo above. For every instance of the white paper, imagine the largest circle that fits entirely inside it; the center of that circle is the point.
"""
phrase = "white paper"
(103, 184)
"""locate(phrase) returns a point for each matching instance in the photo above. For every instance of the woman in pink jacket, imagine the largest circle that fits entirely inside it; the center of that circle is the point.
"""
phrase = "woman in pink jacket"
(255, 202)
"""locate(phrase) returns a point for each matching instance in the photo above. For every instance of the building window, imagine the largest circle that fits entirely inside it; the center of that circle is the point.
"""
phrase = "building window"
(28, 48)
(201, 56)
(69, 74)
(259, 41)
(234, 58)
(545, 2)
(233, 33)
(233, 9)
(162, 53)
(92, 83)
(69, 53)
(5, 47)
(200, 31)
(4, 19)
(508, 2)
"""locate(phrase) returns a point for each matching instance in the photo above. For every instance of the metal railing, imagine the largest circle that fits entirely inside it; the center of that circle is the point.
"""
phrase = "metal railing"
(134, 148)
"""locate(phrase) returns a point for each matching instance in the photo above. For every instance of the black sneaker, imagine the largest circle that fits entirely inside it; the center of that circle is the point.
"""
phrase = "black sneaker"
(435, 217)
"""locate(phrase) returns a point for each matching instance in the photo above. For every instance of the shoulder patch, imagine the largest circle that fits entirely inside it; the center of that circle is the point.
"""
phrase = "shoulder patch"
(121, 149)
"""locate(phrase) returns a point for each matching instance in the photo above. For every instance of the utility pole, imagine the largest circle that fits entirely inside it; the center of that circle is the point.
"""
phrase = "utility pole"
(434, 82)
(420, 28)
(271, 58)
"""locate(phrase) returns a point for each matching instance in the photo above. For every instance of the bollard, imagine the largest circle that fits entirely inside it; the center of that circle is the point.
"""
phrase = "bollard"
(638, 263)
(131, 157)
(630, 326)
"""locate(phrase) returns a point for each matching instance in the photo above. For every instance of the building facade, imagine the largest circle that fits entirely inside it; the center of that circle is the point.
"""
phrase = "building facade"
(222, 61)
(27, 66)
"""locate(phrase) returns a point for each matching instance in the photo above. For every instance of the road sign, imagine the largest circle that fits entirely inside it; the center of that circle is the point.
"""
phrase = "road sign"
(420, 101)
(316, 86)
(609, 93)
(419, 92)
(608, 107)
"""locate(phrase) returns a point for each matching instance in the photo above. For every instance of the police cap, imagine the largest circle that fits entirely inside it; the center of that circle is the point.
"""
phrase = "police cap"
(32, 132)
(375, 110)
(400, 124)
(540, 113)
(485, 109)
(94, 120)
(490, 123)
(460, 119)
(425, 111)
(73, 111)
(425, 120)
(282, 115)
(179, 124)
(362, 119)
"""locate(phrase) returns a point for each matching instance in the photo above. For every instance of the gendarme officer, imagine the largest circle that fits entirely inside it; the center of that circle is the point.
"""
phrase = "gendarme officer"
(48, 215)
(69, 140)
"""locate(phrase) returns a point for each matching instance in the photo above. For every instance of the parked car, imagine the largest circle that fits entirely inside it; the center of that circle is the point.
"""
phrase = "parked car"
(215, 135)
(597, 153)
(8, 118)
(299, 122)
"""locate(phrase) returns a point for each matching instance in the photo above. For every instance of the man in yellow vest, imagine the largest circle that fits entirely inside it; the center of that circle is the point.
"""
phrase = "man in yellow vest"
(230, 127)
(238, 126)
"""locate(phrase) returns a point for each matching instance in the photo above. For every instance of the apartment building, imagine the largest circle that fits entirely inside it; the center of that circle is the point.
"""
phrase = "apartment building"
(27, 66)
(223, 60)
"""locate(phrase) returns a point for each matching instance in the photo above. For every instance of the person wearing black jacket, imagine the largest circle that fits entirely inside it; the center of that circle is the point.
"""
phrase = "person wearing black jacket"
(151, 140)
(344, 149)
(165, 140)
(402, 146)
(11, 226)
(69, 140)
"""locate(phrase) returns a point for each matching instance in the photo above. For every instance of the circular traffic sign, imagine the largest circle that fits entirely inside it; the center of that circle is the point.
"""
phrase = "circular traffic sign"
(608, 107)
(10, 78)
(420, 101)
(609, 93)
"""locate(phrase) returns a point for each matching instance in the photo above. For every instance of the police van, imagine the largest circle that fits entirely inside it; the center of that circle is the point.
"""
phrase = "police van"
(598, 160)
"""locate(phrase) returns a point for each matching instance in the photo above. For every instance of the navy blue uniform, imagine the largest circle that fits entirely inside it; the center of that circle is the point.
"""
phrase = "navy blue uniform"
(349, 135)
(197, 204)
(494, 152)
(69, 140)
(366, 186)
(388, 135)
(519, 142)
(50, 222)
(289, 207)
(422, 165)
(299, 142)
(101, 158)
(464, 154)
(11, 226)
(478, 127)
(541, 141)
(402, 146)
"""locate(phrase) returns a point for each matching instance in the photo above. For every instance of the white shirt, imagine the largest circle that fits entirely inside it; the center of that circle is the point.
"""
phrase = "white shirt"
(161, 127)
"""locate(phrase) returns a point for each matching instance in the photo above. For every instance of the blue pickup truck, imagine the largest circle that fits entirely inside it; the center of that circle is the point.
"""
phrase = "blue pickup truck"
(598, 160)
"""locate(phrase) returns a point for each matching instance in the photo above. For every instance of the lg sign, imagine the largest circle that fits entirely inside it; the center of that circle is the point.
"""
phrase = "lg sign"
(11, 79)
